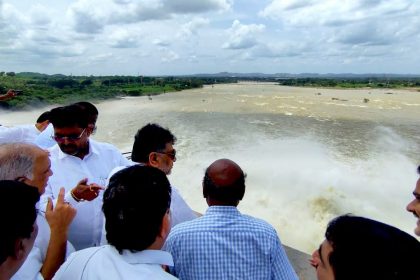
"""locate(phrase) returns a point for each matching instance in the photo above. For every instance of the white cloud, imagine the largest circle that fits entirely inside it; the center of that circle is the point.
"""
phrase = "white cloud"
(152, 36)
(161, 42)
(169, 56)
(191, 28)
(40, 16)
(201, 6)
(332, 12)
(243, 36)
(123, 38)
(91, 16)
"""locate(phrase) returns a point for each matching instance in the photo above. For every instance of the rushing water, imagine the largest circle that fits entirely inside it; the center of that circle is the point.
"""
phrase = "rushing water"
(310, 154)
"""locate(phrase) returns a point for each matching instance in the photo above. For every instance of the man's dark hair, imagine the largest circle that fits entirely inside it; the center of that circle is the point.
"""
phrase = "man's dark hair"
(367, 249)
(18, 210)
(134, 204)
(69, 116)
(229, 194)
(91, 110)
(43, 117)
(150, 138)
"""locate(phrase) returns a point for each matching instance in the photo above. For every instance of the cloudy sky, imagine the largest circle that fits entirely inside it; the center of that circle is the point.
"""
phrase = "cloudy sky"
(174, 37)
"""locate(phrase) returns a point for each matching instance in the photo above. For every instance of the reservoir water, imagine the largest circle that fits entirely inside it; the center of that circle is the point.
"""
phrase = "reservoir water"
(309, 154)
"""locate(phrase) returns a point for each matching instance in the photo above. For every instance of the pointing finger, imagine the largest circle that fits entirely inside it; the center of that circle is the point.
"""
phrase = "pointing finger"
(60, 199)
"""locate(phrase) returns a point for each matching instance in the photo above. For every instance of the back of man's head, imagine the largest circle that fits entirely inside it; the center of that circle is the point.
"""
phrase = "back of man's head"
(91, 110)
(43, 117)
(150, 138)
(17, 160)
(367, 249)
(224, 183)
(18, 214)
(134, 204)
(69, 116)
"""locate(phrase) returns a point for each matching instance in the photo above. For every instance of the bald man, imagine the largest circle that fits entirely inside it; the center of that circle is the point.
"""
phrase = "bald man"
(223, 243)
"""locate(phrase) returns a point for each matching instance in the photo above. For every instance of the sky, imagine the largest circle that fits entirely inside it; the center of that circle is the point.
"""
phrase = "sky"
(178, 37)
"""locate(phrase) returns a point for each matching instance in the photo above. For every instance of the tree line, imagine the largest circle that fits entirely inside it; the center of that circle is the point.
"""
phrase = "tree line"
(41, 89)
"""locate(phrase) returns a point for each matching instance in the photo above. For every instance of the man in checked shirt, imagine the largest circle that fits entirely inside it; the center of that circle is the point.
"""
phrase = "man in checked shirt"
(224, 243)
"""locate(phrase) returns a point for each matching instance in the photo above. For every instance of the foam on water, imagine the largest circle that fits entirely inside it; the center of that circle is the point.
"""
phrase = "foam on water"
(299, 184)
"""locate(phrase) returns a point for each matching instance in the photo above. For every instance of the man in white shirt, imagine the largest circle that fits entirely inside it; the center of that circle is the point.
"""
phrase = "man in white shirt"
(24, 133)
(45, 138)
(136, 207)
(79, 161)
(29, 164)
(153, 146)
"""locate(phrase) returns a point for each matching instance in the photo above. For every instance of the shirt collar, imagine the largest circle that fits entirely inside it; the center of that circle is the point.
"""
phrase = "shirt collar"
(92, 150)
(147, 257)
(222, 210)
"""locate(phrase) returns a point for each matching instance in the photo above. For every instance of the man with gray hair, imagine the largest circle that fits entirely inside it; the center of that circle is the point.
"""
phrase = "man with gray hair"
(31, 165)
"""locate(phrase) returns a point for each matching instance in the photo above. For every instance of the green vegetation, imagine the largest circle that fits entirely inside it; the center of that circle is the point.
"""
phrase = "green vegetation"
(40, 89)
(352, 82)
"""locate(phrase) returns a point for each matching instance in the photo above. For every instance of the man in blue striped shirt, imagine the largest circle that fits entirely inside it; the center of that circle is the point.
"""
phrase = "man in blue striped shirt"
(223, 243)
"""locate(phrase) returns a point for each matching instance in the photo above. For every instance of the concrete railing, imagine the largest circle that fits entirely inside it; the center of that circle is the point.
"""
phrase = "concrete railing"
(300, 262)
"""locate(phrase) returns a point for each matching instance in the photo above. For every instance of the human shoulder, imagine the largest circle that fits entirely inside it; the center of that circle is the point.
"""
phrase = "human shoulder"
(103, 145)
(258, 224)
(193, 226)
(54, 151)
(75, 266)
(82, 257)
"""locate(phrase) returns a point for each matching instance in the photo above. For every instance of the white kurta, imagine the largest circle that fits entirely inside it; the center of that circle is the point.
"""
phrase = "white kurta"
(106, 263)
(85, 230)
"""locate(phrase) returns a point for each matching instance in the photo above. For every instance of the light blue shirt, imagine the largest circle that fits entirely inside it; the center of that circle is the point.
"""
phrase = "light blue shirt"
(225, 244)
(107, 263)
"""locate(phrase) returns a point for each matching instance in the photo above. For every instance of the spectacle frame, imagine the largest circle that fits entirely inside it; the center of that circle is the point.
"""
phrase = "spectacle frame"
(70, 138)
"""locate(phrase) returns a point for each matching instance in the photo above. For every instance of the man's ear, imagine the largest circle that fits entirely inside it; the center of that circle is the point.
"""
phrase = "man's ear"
(89, 131)
(19, 249)
(153, 160)
(205, 191)
(166, 226)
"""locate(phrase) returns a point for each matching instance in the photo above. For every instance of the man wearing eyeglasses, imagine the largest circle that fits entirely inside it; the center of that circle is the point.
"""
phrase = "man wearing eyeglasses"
(154, 146)
(80, 165)
(46, 140)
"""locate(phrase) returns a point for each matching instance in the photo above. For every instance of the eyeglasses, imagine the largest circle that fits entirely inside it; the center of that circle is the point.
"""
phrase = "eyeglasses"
(171, 155)
(70, 138)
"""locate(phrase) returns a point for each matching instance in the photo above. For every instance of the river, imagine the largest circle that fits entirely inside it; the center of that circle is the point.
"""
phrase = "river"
(310, 154)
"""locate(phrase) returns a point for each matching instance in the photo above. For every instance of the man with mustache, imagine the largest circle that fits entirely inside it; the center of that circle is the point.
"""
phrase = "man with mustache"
(77, 160)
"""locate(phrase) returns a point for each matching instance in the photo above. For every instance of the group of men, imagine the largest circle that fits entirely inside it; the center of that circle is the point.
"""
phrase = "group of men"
(118, 214)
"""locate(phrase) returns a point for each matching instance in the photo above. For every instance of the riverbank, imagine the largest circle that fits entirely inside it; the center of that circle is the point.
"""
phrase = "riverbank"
(39, 90)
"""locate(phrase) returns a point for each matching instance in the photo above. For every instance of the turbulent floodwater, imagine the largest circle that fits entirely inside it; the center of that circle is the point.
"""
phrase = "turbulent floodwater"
(310, 154)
